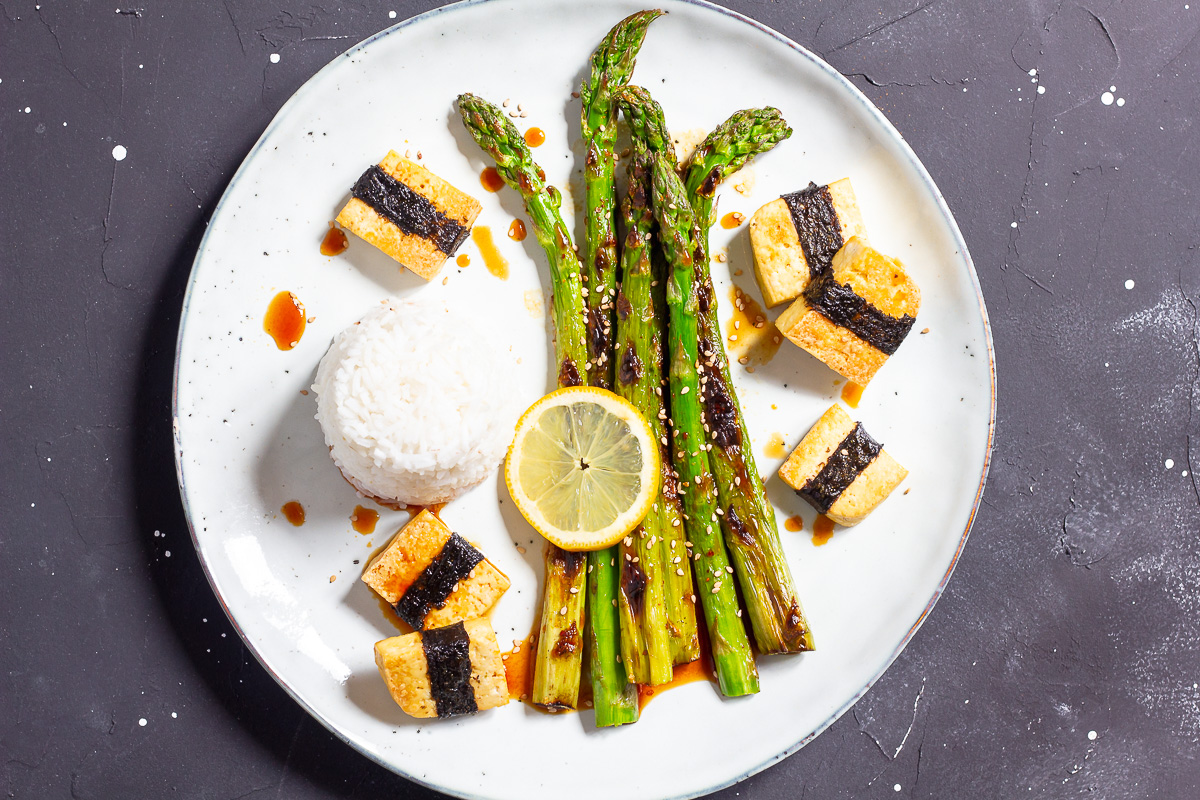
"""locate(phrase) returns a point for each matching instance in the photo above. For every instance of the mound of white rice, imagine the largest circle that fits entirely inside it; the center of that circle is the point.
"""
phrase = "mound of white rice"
(416, 402)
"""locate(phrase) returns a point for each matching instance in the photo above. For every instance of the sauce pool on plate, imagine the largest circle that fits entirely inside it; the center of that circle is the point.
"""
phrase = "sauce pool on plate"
(463, 260)
(495, 263)
(732, 220)
(335, 241)
(852, 393)
(293, 512)
(822, 530)
(794, 524)
(516, 231)
(491, 179)
(751, 338)
(363, 520)
(285, 320)
(775, 447)
(534, 137)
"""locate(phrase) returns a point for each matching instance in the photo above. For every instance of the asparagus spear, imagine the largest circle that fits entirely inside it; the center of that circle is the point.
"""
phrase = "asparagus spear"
(614, 696)
(748, 520)
(646, 641)
(680, 237)
(641, 321)
(559, 659)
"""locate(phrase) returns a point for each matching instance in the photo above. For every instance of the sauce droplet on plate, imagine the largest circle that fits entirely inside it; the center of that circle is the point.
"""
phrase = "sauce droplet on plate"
(463, 260)
(794, 524)
(363, 520)
(293, 512)
(775, 447)
(733, 219)
(285, 320)
(822, 530)
(516, 231)
(496, 263)
(750, 337)
(335, 241)
(491, 179)
(852, 393)
(534, 137)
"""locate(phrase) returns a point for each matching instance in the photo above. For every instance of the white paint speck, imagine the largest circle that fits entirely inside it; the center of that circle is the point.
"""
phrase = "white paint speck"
(1012, 224)
(1106, 98)
(1169, 463)
(119, 152)
(27, 109)
(1112, 88)
(274, 58)
(1041, 90)
(174, 715)
(1120, 102)
(1129, 284)
(391, 15)
(1184, 473)
(141, 66)
(1033, 72)
(142, 722)
(1091, 736)
(167, 553)
(896, 788)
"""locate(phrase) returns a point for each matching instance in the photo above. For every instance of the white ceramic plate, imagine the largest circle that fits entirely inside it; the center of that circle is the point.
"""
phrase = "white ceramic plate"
(247, 443)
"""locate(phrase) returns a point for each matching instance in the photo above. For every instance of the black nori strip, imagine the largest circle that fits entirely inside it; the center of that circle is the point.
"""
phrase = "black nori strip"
(431, 588)
(407, 210)
(843, 306)
(852, 456)
(448, 659)
(817, 226)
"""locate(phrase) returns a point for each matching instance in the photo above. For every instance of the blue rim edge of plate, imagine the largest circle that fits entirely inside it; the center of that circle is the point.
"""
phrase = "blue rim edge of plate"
(872, 110)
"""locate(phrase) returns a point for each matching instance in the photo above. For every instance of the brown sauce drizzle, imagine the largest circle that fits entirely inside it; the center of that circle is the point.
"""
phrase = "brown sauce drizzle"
(852, 393)
(750, 337)
(794, 524)
(463, 260)
(775, 448)
(363, 520)
(822, 530)
(518, 669)
(534, 137)
(491, 179)
(285, 320)
(389, 613)
(293, 512)
(516, 231)
(496, 263)
(335, 241)
(732, 220)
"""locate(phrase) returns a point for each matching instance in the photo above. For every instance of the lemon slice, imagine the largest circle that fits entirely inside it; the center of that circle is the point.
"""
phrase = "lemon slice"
(583, 467)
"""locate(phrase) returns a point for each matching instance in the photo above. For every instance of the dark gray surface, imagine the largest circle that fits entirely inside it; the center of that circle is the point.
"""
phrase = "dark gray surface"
(1074, 608)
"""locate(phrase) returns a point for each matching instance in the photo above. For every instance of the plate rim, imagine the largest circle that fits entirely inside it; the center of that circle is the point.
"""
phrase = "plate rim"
(871, 109)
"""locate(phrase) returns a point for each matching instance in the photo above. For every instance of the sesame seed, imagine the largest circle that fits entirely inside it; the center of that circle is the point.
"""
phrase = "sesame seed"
(679, 572)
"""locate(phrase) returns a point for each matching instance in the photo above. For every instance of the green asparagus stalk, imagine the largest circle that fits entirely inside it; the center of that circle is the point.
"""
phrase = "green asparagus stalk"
(641, 322)
(680, 237)
(614, 696)
(646, 641)
(559, 660)
(748, 518)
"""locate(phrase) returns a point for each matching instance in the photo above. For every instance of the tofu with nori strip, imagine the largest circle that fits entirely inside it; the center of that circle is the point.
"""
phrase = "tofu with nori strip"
(413, 554)
(859, 488)
(437, 216)
(404, 662)
(889, 301)
(780, 265)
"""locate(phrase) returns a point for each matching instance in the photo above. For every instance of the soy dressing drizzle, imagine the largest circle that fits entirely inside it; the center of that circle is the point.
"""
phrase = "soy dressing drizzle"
(284, 320)
(495, 263)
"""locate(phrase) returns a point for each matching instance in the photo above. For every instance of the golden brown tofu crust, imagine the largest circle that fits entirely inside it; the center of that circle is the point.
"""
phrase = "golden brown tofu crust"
(816, 447)
(876, 278)
(401, 662)
(410, 553)
(870, 488)
(418, 254)
(780, 267)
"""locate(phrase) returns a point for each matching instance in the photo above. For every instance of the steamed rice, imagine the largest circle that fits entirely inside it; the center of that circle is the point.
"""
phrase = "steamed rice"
(415, 401)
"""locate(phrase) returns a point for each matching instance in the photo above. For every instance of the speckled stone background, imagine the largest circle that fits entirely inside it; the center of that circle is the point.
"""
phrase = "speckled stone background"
(1063, 661)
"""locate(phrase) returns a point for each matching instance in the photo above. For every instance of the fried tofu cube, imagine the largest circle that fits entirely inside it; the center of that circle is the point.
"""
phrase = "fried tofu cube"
(418, 556)
(840, 470)
(404, 664)
(437, 216)
(891, 299)
(780, 265)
